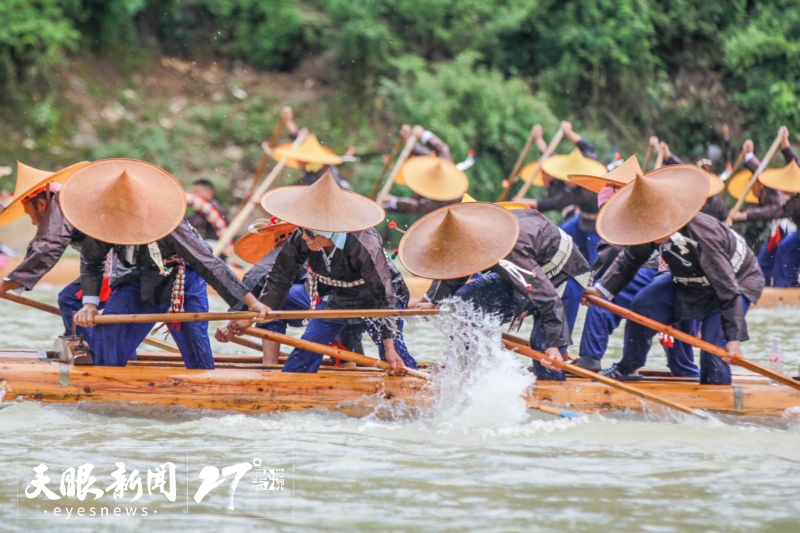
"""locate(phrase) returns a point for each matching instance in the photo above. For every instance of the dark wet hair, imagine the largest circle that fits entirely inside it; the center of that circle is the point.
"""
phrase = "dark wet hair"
(203, 182)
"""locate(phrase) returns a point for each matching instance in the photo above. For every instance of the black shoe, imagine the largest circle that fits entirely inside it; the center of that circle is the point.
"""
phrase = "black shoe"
(588, 363)
(614, 373)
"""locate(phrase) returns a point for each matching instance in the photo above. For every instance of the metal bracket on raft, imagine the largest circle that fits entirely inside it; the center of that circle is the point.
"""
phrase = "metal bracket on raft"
(63, 375)
(738, 398)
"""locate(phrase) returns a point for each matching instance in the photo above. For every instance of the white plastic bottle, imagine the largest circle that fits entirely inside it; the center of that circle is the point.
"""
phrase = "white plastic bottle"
(776, 357)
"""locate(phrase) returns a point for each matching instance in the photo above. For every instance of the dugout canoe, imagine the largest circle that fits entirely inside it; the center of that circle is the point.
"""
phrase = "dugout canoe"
(243, 384)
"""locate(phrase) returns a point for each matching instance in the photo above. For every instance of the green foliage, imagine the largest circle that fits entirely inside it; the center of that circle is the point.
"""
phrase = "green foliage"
(472, 108)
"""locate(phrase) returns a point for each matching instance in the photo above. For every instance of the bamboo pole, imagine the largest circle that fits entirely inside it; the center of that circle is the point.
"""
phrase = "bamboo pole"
(512, 178)
(245, 212)
(647, 155)
(344, 355)
(659, 159)
(740, 201)
(547, 153)
(694, 341)
(412, 140)
(263, 165)
(272, 315)
(386, 164)
(588, 374)
(728, 172)
(54, 311)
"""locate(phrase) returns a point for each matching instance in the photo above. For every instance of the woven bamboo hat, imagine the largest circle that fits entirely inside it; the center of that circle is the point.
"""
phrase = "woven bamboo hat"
(786, 179)
(323, 206)
(29, 180)
(511, 206)
(310, 151)
(654, 206)
(458, 240)
(572, 163)
(435, 178)
(538, 179)
(261, 238)
(123, 201)
(622, 175)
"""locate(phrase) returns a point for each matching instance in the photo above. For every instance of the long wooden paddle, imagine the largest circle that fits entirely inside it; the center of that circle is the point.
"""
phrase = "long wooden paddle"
(521, 349)
(412, 140)
(344, 355)
(512, 178)
(728, 172)
(244, 213)
(263, 165)
(764, 163)
(647, 155)
(272, 315)
(694, 341)
(54, 311)
(547, 153)
(659, 159)
(386, 164)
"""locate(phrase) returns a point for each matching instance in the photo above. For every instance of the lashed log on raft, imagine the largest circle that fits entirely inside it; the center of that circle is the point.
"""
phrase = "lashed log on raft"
(244, 386)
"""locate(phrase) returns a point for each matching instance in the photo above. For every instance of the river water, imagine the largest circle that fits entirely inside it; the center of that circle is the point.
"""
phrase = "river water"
(477, 461)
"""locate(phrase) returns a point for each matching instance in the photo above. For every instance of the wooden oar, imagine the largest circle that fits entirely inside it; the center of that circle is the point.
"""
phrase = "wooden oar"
(659, 159)
(263, 165)
(54, 311)
(272, 315)
(547, 153)
(247, 344)
(412, 140)
(563, 413)
(588, 374)
(386, 164)
(512, 178)
(647, 155)
(694, 341)
(245, 212)
(728, 172)
(343, 355)
(764, 163)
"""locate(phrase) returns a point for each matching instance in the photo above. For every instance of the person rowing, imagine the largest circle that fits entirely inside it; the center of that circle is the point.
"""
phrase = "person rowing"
(347, 267)
(162, 264)
(529, 266)
(713, 275)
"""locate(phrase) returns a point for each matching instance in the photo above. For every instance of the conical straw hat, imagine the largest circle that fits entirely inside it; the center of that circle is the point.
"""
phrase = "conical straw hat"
(458, 240)
(511, 206)
(435, 178)
(654, 206)
(717, 185)
(622, 175)
(538, 179)
(323, 206)
(30, 179)
(252, 247)
(123, 201)
(311, 151)
(737, 184)
(573, 163)
(786, 179)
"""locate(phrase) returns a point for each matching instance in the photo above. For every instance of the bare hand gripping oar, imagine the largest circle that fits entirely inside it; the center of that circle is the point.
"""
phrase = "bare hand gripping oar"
(54, 311)
(520, 348)
(694, 341)
(761, 168)
(272, 315)
(344, 355)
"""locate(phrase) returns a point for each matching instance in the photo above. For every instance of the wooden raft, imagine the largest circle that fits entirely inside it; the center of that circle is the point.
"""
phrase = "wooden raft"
(242, 383)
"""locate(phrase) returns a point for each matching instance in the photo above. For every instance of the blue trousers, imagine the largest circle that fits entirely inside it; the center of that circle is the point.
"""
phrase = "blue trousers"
(586, 241)
(323, 332)
(494, 294)
(69, 304)
(115, 344)
(657, 301)
(787, 262)
(600, 324)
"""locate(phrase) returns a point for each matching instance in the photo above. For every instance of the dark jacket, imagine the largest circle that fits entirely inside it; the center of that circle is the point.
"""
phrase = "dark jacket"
(714, 206)
(434, 144)
(584, 199)
(539, 243)
(711, 266)
(791, 209)
(363, 258)
(770, 201)
(201, 223)
(183, 242)
(255, 278)
(52, 237)
(310, 178)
